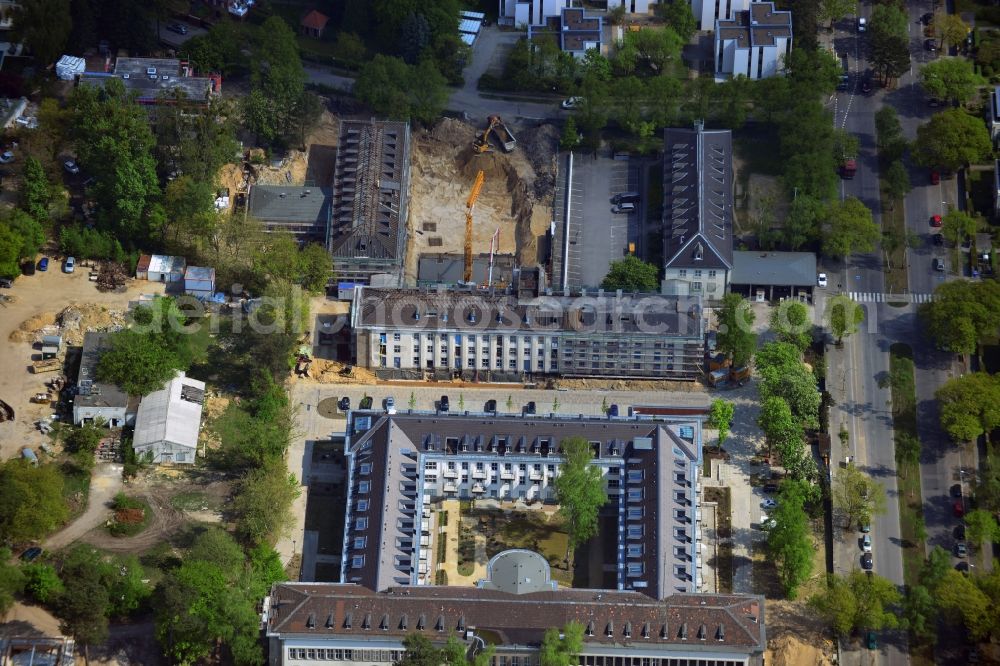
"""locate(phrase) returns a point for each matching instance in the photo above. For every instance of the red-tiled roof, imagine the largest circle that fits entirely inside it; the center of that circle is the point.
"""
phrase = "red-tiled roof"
(314, 20)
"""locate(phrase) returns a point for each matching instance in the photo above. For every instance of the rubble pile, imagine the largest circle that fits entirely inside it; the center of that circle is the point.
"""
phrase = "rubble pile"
(112, 277)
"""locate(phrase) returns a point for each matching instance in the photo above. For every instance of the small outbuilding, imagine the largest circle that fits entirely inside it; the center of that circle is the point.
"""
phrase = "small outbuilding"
(168, 421)
(199, 281)
(771, 276)
(160, 268)
(51, 345)
(313, 24)
(69, 67)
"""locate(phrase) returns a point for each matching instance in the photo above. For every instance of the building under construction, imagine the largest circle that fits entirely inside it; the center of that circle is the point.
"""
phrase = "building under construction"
(367, 230)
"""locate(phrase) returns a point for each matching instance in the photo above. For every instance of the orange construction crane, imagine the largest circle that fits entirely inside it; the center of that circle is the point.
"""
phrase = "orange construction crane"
(469, 205)
(482, 143)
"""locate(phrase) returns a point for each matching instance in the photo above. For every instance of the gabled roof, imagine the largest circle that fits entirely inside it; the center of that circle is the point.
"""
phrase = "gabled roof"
(698, 198)
(172, 414)
(793, 269)
(314, 20)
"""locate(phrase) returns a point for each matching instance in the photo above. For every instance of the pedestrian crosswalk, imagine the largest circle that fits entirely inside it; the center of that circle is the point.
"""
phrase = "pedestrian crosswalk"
(874, 297)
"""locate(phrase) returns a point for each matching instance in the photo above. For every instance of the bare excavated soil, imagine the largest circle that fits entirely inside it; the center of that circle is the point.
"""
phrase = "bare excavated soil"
(516, 197)
(796, 636)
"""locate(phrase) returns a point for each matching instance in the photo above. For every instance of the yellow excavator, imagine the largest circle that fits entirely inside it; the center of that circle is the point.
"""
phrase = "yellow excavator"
(469, 205)
(482, 143)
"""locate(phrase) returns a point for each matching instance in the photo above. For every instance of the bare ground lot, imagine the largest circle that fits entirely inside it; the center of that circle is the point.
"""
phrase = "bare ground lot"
(42, 295)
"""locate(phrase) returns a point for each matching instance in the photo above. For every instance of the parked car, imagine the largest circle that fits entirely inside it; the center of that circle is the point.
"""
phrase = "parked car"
(31, 554)
(571, 102)
(956, 490)
(866, 562)
(935, 221)
(530, 408)
(959, 532)
(6, 283)
(770, 487)
(71, 167)
(768, 503)
(366, 402)
(930, 45)
(624, 207)
(625, 197)
(821, 280)
(960, 549)
(866, 84)
(938, 264)
(179, 28)
(344, 404)
(866, 543)
(866, 528)
(862, 24)
(443, 404)
(390, 405)
(43, 264)
(69, 265)
(870, 640)
(613, 411)
(6, 157)
(958, 508)
(935, 177)
(937, 239)
(927, 18)
(491, 406)
(933, 102)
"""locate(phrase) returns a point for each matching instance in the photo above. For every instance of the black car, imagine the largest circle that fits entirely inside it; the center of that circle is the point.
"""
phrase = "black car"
(6, 283)
(366, 402)
(937, 239)
(956, 490)
(927, 18)
(770, 487)
(613, 411)
(31, 554)
(962, 567)
(930, 45)
(344, 404)
(866, 562)
(178, 28)
(866, 85)
(530, 408)
(959, 533)
(491, 406)
(443, 404)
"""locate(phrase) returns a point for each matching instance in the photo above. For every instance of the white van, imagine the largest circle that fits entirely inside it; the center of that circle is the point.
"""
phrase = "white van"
(625, 207)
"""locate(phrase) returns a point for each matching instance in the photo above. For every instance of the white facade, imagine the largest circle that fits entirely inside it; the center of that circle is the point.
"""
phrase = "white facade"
(535, 13)
(707, 12)
(995, 113)
(754, 62)
(710, 283)
(512, 352)
(167, 424)
(632, 6)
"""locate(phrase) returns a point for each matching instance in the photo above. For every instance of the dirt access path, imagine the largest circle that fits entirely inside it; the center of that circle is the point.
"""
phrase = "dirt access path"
(42, 296)
(104, 485)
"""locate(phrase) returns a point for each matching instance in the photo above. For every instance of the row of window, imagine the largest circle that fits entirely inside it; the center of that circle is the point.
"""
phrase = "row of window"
(397, 362)
(359, 655)
(697, 273)
(337, 654)
(470, 338)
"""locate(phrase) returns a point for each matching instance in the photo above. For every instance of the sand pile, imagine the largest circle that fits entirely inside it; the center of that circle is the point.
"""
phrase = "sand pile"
(71, 323)
(790, 651)
(328, 372)
(26, 331)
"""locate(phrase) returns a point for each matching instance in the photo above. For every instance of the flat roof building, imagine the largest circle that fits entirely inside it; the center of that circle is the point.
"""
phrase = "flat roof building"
(697, 211)
(98, 400)
(773, 275)
(449, 269)
(303, 212)
(371, 177)
(491, 335)
(156, 80)
(754, 42)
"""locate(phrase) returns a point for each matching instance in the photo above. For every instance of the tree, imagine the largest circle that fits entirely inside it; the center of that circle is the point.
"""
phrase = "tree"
(720, 417)
(950, 29)
(981, 525)
(790, 322)
(889, 41)
(963, 314)
(82, 608)
(781, 432)
(579, 490)
(12, 580)
(952, 139)
(890, 140)
(936, 566)
(857, 601)
(42, 582)
(419, 652)
(783, 375)
(564, 649)
(631, 274)
(788, 540)
(958, 225)
(857, 496)
(849, 229)
(845, 317)
(277, 80)
(20, 238)
(961, 601)
(415, 35)
(570, 137)
(31, 501)
(316, 267)
(36, 191)
(920, 612)
(897, 179)
(428, 94)
(113, 140)
(679, 16)
(970, 405)
(804, 220)
(950, 79)
(263, 502)
(44, 25)
(735, 329)
(137, 363)
(834, 10)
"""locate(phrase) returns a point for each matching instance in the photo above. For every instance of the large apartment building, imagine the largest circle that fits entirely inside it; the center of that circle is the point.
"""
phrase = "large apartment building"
(753, 43)
(484, 334)
(708, 12)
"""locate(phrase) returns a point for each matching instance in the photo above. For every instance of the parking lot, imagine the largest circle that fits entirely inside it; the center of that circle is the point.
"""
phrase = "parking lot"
(596, 235)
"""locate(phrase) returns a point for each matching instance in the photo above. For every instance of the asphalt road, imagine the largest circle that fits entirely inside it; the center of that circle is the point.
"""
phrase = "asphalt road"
(173, 39)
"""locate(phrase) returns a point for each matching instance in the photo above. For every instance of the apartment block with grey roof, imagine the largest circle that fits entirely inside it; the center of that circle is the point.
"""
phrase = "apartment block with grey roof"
(367, 230)
(753, 43)
(697, 211)
(303, 212)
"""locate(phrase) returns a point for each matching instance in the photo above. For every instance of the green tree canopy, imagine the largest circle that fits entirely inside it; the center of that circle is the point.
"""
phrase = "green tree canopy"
(788, 540)
(579, 490)
(564, 649)
(781, 431)
(834, 10)
(950, 78)
(962, 602)
(720, 417)
(950, 29)
(857, 602)
(952, 139)
(735, 336)
(137, 363)
(970, 405)
(981, 525)
(963, 314)
(632, 274)
(44, 25)
(957, 226)
(263, 502)
(857, 496)
(31, 500)
(397, 90)
(845, 317)
(890, 140)
(277, 81)
(790, 322)
(849, 229)
(12, 580)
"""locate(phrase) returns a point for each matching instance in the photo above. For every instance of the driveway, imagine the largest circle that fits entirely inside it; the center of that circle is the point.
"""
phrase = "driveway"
(105, 483)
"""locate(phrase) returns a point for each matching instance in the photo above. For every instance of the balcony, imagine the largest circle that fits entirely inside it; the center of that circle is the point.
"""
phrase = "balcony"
(507, 474)
(479, 474)
(451, 474)
(450, 487)
(478, 488)
(536, 475)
